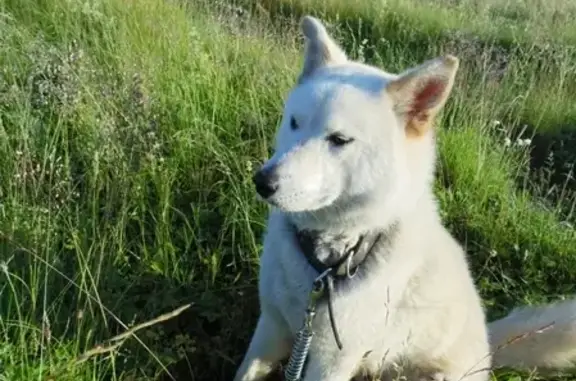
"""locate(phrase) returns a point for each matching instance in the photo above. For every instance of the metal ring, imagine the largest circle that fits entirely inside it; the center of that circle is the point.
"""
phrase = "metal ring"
(348, 263)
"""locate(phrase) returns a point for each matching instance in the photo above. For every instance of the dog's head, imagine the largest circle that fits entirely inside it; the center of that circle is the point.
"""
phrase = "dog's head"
(351, 132)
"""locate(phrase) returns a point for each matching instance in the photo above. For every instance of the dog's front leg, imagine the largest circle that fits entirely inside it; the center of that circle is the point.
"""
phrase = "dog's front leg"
(270, 344)
(332, 365)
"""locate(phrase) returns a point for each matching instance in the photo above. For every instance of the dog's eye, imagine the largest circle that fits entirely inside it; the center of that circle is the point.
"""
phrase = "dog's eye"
(293, 123)
(338, 139)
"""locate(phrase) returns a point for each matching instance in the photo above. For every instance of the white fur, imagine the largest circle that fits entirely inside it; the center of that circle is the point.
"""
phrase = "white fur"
(419, 306)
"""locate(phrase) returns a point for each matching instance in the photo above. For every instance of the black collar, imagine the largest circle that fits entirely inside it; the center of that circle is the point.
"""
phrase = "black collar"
(346, 263)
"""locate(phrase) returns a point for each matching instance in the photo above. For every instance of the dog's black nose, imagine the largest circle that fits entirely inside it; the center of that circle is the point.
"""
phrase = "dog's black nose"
(266, 182)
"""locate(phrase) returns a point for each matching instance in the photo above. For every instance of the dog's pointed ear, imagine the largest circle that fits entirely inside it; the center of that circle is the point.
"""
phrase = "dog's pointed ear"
(420, 93)
(321, 49)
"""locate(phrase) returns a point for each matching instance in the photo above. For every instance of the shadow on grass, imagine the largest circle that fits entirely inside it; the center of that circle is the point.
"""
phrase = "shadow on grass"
(549, 170)
(203, 343)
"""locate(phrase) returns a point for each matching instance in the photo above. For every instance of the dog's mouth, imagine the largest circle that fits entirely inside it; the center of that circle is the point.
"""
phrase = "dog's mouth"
(299, 202)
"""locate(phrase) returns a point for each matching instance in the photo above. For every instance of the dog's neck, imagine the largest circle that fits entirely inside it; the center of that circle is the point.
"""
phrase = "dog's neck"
(343, 220)
(338, 258)
(343, 253)
(330, 236)
(362, 215)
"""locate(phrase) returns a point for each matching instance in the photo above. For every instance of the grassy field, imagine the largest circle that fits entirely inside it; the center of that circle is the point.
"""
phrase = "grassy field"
(129, 130)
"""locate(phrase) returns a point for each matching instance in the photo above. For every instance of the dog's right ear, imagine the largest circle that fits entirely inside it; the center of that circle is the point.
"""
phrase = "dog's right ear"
(420, 93)
(321, 49)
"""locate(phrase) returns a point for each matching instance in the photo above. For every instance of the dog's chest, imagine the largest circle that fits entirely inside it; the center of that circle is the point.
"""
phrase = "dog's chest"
(285, 280)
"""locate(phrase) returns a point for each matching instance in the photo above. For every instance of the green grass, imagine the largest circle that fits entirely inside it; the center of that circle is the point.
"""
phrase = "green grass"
(509, 21)
(128, 134)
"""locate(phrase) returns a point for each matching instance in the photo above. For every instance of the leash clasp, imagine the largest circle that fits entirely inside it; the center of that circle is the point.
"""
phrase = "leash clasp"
(318, 286)
(316, 293)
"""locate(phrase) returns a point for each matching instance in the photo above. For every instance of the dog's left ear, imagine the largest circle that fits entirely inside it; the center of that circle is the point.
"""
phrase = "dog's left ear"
(420, 93)
(321, 49)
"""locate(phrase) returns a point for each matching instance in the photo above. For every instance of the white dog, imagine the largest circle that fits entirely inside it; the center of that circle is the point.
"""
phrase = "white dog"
(351, 178)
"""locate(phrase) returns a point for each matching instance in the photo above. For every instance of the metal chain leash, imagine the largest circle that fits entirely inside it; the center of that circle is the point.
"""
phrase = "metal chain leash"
(304, 336)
